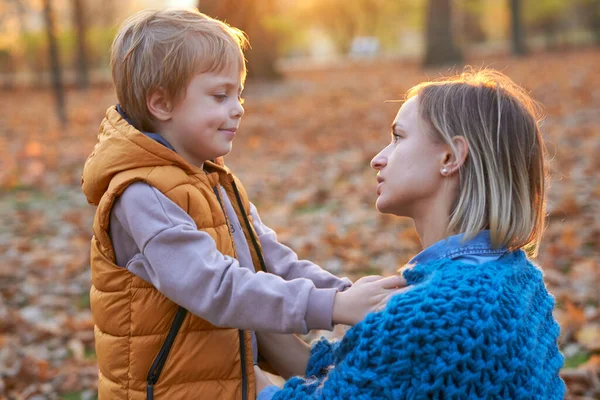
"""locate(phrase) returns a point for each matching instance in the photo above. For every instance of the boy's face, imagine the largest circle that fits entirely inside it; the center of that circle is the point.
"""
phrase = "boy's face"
(203, 124)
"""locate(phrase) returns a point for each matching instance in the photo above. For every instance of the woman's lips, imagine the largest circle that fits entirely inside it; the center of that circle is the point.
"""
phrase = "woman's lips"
(380, 183)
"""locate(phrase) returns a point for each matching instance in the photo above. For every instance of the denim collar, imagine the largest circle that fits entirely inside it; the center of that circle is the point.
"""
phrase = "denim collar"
(452, 248)
(154, 136)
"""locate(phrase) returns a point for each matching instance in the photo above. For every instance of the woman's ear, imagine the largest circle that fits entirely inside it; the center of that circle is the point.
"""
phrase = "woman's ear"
(159, 104)
(453, 160)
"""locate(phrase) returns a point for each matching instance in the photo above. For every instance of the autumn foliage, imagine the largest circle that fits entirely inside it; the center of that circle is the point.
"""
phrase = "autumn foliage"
(303, 151)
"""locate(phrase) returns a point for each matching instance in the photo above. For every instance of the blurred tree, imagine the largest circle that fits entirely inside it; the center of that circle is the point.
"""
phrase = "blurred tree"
(441, 48)
(339, 19)
(590, 13)
(79, 24)
(106, 12)
(15, 10)
(472, 29)
(594, 19)
(547, 18)
(344, 20)
(7, 68)
(517, 29)
(57, 83)
(251, 16)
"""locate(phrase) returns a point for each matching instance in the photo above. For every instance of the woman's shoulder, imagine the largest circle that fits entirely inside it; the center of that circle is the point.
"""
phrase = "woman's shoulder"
(446, 287)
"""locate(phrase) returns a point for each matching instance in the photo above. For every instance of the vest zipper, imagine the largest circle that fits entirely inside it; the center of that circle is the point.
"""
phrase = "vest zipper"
(247, 221)
(244, 372)
(240, 332)
(161, 358)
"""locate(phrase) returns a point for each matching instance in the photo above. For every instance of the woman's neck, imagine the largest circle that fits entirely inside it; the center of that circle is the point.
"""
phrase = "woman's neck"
(432, 224)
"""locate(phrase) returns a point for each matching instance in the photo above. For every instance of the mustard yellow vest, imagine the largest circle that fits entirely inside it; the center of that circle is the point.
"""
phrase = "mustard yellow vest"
(132, 318)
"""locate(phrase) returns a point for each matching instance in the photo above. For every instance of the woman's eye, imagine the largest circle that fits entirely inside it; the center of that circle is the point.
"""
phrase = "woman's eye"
(395, 138)
(220, 97)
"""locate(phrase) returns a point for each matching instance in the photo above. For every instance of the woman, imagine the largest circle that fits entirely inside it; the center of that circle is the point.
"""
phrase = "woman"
(466, 163)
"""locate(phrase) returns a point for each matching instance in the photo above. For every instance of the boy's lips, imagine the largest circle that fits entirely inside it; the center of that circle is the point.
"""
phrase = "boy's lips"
(229, 132)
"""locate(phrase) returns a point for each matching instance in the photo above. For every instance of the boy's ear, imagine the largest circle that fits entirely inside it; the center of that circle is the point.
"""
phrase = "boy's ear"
(159, 104)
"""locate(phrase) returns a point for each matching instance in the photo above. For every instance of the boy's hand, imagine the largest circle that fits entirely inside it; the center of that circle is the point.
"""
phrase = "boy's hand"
(367, 294)
(286, 353)
(262, 380)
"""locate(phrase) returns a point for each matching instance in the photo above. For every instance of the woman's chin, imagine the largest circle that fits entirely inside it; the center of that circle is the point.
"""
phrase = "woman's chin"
(393, 209)
(382, 207)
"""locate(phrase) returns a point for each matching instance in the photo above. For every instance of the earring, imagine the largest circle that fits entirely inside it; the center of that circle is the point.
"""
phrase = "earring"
(444, 171)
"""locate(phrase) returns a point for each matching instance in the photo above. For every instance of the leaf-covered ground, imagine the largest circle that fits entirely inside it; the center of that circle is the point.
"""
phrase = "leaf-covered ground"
(303, 152)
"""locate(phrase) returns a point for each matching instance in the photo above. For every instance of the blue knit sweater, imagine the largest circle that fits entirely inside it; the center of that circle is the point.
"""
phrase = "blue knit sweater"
(460, 332)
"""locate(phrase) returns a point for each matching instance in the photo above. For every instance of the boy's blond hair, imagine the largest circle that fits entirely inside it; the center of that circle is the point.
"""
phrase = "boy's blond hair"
(502, 182)
(164, 49)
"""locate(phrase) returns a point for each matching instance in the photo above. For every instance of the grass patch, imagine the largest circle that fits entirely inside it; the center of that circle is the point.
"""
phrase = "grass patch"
(312, 208)
(78, 396)
(90, 353)
(370, 270)
(576, 360)
(83, 303)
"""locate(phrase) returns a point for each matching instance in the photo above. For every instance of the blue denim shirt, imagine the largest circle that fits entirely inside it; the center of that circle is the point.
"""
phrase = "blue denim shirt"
(476, 251)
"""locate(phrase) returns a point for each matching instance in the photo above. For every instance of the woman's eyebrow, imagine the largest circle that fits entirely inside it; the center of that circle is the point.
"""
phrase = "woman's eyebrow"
(397, 127)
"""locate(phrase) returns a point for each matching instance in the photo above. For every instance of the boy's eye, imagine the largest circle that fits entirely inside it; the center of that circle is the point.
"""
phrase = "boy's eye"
(220, 97)
(395, 137)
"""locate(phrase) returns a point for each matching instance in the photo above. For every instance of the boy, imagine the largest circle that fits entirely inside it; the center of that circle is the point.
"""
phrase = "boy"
(182, 267)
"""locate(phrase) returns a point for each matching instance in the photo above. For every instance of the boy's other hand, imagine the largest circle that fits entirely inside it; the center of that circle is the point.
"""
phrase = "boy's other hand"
(262, 380)
(368, 294)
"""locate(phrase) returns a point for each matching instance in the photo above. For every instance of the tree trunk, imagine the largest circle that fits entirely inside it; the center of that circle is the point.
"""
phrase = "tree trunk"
(248, 15)
(592, 8)
(79, 24)
(518, 33)
(7, 68)
(441, 48)
(57, 83)
(471, 24)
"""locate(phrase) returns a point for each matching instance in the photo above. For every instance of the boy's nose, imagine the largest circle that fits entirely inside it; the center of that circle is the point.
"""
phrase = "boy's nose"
(237, 111)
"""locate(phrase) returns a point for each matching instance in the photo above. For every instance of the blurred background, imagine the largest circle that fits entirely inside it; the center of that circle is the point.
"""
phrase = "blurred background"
(317, 111)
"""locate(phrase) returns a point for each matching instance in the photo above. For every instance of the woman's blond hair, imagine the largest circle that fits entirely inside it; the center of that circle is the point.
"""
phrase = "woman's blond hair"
(502, 182)
(165, 49)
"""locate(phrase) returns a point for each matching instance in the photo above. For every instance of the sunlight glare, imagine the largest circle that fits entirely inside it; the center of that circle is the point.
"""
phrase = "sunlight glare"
(181, 3)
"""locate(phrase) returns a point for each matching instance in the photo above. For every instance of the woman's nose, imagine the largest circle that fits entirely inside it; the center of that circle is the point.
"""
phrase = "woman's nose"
(379, 161)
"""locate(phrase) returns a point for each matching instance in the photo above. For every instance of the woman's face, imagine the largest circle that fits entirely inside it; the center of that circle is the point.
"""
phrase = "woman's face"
(410, 166)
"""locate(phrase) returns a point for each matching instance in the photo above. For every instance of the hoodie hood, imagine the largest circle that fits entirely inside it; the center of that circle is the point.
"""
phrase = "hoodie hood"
(122, 147)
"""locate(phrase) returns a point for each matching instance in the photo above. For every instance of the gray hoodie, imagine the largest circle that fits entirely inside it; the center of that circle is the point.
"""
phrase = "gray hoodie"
(158, 241)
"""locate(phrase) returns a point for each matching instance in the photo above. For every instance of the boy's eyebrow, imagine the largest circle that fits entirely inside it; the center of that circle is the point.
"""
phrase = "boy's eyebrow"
(230, 85)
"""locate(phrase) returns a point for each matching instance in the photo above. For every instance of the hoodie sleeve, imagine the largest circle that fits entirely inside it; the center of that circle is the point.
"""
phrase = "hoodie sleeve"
(184, 264)
(283, 261)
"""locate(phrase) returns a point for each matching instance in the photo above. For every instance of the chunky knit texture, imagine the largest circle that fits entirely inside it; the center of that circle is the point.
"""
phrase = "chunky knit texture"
(461, 332)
